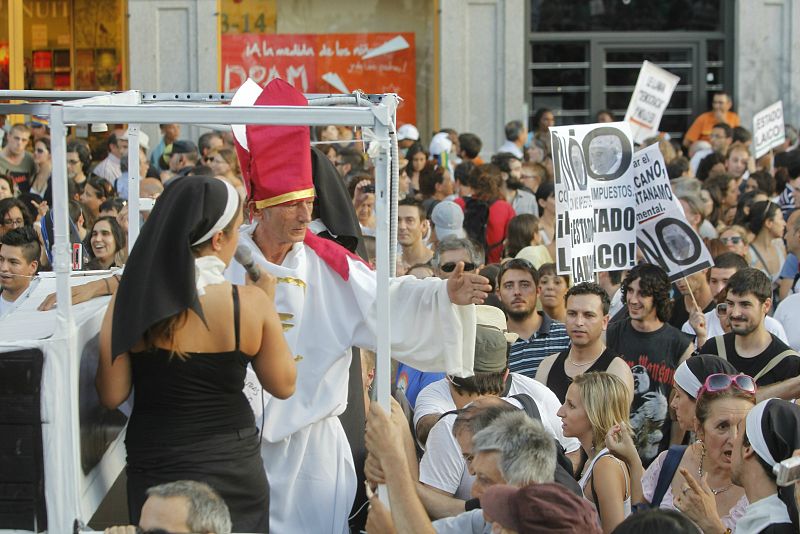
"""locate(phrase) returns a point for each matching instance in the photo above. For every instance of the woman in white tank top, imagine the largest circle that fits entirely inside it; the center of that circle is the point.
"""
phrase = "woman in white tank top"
(595, 402)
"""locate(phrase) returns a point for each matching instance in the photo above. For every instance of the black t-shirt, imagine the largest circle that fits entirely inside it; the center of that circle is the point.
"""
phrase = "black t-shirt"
(653, 357)
(789, 367)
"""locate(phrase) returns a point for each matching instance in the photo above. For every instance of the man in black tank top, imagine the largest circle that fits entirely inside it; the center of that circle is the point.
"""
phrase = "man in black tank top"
(587, 317)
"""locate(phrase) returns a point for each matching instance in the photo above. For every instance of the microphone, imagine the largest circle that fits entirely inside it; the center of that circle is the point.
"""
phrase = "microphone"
(245, 257)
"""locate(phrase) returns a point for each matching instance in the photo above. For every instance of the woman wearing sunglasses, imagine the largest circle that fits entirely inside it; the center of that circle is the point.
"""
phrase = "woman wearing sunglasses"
(722, 401)
(736, 239)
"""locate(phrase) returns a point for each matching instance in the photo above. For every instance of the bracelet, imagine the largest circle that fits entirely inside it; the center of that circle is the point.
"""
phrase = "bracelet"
(108, 287)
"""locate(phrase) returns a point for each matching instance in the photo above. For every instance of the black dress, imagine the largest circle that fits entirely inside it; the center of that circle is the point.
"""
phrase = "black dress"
(191, 421)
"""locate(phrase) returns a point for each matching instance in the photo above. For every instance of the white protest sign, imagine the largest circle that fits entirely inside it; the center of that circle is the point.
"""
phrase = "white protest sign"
(768, 129)
(595, 214)
(664, 236)
(649, 100)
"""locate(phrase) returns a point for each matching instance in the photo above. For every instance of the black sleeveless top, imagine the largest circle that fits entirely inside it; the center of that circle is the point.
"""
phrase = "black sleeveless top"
(178, 401)
(557, 379)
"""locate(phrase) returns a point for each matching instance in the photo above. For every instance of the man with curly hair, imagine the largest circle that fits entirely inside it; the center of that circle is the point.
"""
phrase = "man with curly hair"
(654, 349)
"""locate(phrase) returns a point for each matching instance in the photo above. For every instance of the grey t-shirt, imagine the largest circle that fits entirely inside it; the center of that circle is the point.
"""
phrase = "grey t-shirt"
(19, 173)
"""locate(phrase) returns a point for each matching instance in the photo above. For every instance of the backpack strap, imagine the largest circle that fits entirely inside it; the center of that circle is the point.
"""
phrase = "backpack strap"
(668, 470)
(529, 405)
(720, 340)
(445, 414)
(773, 363)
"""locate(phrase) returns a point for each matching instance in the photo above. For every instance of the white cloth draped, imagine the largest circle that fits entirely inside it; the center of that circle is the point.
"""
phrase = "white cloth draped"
(305, 451)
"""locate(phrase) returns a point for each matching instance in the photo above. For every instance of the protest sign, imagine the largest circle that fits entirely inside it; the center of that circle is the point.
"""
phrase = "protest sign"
(664, 236)
(650, 98)
(595, 214)
(325, 63)
(768, 129)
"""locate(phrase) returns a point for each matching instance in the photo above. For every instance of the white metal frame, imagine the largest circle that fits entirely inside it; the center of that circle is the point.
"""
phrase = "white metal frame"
(376, 112)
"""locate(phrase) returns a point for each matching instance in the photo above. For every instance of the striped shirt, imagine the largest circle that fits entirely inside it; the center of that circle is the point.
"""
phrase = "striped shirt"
(527, 354)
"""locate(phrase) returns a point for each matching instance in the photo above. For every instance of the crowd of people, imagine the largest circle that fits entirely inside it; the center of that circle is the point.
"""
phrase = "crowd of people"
(521, 402)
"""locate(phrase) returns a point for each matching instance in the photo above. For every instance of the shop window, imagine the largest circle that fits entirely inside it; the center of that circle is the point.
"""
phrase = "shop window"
(74, 44)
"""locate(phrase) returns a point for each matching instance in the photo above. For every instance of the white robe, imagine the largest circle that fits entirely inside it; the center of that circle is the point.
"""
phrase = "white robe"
(305, 451)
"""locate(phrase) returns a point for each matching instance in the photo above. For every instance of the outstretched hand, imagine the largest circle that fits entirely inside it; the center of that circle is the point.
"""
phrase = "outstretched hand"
(467, 288)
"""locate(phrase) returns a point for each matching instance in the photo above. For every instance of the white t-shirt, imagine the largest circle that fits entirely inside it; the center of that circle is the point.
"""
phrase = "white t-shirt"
(7, 306)
(443, 465)
(790, 307)
(714, 327)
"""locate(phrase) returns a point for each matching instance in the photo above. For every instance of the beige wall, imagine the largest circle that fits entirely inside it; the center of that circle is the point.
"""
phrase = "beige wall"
(352, 16)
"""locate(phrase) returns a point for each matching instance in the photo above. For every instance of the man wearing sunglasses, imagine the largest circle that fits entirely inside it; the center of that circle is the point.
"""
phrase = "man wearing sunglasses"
(452, 250)
(750, 347)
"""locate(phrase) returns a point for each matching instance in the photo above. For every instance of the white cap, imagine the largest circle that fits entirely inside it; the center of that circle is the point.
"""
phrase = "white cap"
(486, 315)
(440, 143)
(408, 131)
(448, 219)
(144, 140)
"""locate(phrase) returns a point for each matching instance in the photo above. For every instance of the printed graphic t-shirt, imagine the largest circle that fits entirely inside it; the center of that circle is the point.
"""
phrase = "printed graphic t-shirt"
(653, 357)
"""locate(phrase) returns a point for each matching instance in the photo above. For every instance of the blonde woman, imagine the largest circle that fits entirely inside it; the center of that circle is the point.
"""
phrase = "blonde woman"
(736, 239)
(595, 403)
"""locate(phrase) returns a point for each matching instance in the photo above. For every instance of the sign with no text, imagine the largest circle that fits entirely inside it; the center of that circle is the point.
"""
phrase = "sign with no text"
(325, 63)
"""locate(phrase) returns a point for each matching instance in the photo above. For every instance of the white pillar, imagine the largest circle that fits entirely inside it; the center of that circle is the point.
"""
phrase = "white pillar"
(482, 67)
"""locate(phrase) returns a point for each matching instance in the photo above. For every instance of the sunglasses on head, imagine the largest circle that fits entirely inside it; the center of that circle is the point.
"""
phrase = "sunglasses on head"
(721, 382)
(450, 266)
(733, 240)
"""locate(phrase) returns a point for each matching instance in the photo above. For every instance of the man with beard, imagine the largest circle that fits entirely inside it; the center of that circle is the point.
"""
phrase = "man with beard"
(539, 335)
(587, 319)
(749, 346)
(522, 200)
(654, 349)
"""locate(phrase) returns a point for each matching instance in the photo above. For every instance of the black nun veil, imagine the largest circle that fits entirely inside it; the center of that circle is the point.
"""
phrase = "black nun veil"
(159, 277)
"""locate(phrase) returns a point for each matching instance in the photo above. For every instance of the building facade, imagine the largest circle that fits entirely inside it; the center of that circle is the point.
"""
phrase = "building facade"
(471, 65)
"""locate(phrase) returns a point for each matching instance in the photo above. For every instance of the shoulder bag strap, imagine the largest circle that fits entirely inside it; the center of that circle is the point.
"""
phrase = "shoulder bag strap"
(773, 363)
(668, 470)
(721, 347)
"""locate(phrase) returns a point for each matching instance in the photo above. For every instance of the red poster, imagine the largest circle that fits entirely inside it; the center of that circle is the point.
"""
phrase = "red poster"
(326, 63)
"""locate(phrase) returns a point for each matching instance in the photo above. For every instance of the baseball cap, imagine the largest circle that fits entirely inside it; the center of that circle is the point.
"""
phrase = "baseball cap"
(144, 140)
(183, 146)
(491, 350)
(448, 219)
(539, 508)
(493, 316)
(408, 131)
(440, 143)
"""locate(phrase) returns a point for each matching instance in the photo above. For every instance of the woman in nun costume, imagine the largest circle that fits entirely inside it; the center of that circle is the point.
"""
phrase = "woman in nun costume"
(769, 434)
(175, 334)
